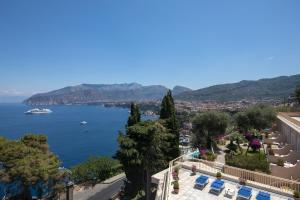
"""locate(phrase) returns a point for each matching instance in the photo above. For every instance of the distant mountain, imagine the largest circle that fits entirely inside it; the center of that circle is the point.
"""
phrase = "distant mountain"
(271, 88)
(179, 89)
(97, 93)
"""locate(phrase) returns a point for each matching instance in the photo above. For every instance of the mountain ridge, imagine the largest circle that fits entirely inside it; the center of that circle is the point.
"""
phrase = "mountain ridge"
(97, 93)
(266, 88)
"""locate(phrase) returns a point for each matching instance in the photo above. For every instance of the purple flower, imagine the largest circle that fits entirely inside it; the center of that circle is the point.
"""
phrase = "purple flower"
(248, 136)
(255, 144)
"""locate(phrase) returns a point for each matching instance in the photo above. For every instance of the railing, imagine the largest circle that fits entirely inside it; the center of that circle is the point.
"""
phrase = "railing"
(164, 186)
(256, 178)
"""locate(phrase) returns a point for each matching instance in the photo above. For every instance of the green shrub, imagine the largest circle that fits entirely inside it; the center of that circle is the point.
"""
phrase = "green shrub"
(218, 175)
(209, 156)
(175, 184)
(248, 162)
(95, 169)
(280, 162)
(222, 142)
(297, 194)
(232, 147)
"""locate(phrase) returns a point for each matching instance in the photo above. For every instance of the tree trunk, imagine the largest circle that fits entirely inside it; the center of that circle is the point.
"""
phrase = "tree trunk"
(26, 195)
(148, 185)
(248, 148)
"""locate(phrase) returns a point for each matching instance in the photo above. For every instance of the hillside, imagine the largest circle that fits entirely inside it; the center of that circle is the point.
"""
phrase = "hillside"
(271, 88)
(97, 93)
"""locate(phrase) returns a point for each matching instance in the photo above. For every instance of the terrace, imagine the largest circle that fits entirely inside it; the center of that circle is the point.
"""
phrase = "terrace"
(277, 188)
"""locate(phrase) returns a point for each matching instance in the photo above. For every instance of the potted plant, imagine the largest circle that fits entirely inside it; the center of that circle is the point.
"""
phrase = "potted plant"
(242, 181)
(194, 169)
(175, 175)
(177, 169)
(297, 195)
(219, 175)
(280, 162)
(175, 186)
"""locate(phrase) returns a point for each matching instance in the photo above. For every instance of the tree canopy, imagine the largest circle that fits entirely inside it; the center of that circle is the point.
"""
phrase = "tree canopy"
(168, 114)
(208, 125)
(141, 153)
(135, 115)
(27, 160)
(258, 117)
(95, 169)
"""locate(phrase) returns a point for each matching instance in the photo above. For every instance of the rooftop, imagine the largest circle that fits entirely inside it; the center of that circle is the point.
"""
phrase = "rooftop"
(290, 118)
(278, 188)
(187, 190)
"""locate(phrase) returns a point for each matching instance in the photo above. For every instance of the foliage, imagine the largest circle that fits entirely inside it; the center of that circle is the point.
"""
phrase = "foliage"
(242, 181)
(209, 156)
(222, 142)
(135, 115)
(168, 115)
(208, 125)
(242, 121)
(255, 144)
(297, 93)
(280, 162)
(141, 153)
(218, 175)
(29, 161)
(237, 137)
(175, 184)
(231, 146)
(249, 136)
(297, 194)
(95, 169)
(247, 162)
(177, 169)
(258, 117)
(167, 108)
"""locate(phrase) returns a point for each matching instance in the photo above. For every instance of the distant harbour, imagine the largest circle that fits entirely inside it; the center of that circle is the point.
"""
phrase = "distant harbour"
(68, 139)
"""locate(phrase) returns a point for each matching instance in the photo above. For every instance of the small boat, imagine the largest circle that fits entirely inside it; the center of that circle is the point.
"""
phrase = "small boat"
(83, 122)
(38, 111)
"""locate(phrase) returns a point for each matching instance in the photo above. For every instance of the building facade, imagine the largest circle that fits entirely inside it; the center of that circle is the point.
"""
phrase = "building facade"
(288, 125)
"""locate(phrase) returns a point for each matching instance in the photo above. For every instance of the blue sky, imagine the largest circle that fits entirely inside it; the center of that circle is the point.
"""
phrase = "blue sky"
(50, 44)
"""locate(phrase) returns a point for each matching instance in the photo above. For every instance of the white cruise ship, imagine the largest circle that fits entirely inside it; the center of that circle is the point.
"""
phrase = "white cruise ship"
(38, 111)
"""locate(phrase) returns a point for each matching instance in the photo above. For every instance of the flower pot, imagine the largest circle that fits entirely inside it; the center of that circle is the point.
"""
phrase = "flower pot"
(176, 191)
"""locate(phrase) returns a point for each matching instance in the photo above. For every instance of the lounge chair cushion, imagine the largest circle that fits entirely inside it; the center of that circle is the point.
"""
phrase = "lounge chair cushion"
(263, 196)
(245, 192)
(201, 180)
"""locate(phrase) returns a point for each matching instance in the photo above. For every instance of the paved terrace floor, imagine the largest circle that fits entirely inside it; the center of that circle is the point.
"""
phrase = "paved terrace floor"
(188, 192)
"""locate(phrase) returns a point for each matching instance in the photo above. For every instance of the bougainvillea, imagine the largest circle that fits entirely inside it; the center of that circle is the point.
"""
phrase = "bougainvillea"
(255, 144)
(249, 136)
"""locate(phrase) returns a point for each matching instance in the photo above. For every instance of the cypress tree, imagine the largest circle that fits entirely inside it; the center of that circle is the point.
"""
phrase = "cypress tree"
(168, 113)
(135, 115)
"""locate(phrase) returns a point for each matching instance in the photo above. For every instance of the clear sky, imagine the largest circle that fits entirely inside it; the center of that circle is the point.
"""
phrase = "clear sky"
(49, 44)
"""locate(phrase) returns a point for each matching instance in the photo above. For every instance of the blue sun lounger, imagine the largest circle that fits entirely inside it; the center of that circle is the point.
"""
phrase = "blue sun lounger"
(263, 196)
(217, 185)
(201, 181)
(245, 192)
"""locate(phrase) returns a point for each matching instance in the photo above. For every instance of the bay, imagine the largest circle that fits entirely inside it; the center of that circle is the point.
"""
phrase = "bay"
(67, 138)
